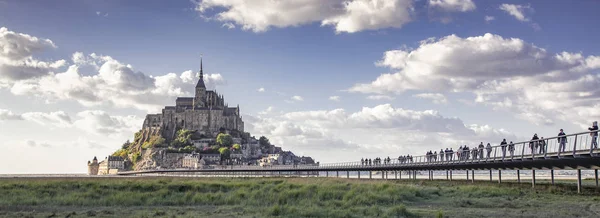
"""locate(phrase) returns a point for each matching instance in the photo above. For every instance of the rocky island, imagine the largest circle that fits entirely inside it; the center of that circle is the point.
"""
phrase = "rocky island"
(198, 132)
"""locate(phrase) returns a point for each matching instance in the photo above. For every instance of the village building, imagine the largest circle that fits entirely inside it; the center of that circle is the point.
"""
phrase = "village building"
(111, 165)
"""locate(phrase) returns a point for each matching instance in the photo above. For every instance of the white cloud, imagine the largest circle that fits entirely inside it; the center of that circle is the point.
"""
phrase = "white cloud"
(297, 98)
(453, 5)
(91, 80)
(380, 97)
(32, 143)
(261, 89)
(101, 123)
(397, 130)
(517, 11)
(489, 18)
(362, 15)
(229, 26)
(58, 118)
(16, 61)
(9, 115)
(266, 111)
(345, 15)
(504, 73)
(334, 98)
(437, 98)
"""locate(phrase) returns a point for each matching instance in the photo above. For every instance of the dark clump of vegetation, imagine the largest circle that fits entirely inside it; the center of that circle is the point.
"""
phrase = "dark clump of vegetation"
(292, 197)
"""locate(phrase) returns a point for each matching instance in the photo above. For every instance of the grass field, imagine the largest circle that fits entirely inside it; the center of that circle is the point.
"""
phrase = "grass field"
(287, 197)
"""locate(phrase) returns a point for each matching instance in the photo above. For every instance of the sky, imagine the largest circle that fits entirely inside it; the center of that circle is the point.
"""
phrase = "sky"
(337, 80)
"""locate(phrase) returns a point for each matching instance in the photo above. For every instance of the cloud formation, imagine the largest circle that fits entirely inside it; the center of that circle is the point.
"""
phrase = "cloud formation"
(504, 73)
(396, 130)
(16, 61)
(517, 11)
(344, 15)
(90, 80)
(453, 5)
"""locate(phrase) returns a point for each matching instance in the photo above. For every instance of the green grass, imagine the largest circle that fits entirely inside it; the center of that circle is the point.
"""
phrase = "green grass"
(287, 197)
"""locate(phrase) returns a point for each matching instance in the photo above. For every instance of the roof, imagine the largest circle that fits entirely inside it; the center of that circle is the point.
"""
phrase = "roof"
(115, 158)
(200, 83)
(184, 99)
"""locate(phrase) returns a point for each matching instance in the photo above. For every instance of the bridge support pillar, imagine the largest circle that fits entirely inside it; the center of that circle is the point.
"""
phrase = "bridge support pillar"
(337, 174)
(518, 176)
(415, 175)
(578, 180)
(490, 175)
(383, 174)
(532, 178)
(552, 176)
(596, 174)
(472, 176)
(395, 174)
(499, 176)
(359, 174)
(347, 174)
(326, 173)
(370, 174)
(450, 175)
(467, 175)
(447, 175)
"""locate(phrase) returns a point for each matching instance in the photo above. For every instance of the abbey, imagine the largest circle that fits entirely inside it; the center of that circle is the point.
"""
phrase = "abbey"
(206, 112)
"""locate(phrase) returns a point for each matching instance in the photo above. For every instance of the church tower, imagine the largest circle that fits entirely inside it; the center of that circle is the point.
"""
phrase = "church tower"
(200, 90)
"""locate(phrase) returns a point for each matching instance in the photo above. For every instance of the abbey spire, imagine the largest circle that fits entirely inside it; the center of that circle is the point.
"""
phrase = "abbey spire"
(200, 83)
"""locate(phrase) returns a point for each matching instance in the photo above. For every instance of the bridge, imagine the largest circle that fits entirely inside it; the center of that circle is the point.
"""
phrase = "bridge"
(578, 153)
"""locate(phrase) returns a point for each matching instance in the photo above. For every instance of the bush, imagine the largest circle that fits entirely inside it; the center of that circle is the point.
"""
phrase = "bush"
(136, 157)
(121, 153)
(224, 140)
(398, 211)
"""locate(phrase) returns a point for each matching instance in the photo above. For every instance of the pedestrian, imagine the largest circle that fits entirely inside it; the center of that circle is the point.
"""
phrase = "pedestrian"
(542, 146)
(562, 141)
(533, 144)
(503, 146)
(434, 156)
(511, 149)
(594, 134)
(362, 161)
(488, 148)
(480, 151)
(441, 154)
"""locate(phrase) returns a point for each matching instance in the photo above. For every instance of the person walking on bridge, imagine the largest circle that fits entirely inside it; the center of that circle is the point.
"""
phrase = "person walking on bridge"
(562, 141)
(511, 149)
(533, 144)
(594, 135)
(480, 151)
(362, 161)
(488, 148)
(441, 155)
(542, 146)
(503, 146)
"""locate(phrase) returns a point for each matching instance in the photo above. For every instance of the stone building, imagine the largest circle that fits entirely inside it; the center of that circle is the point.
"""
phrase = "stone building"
(206, 112)
(193, 161)
(93, 166)
(111, 165)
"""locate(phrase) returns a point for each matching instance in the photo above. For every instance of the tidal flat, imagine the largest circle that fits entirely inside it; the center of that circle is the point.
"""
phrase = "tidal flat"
(288, 197)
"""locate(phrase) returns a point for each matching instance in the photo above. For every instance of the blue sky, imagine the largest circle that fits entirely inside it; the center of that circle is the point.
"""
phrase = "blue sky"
(311, 49)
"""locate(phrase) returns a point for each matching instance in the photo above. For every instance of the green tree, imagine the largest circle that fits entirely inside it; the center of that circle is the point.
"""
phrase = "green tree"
(224, 140)
(126, 144)
(263, 141)
(236, 146)
(183, 138)
(225, 152)
(121, 153)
